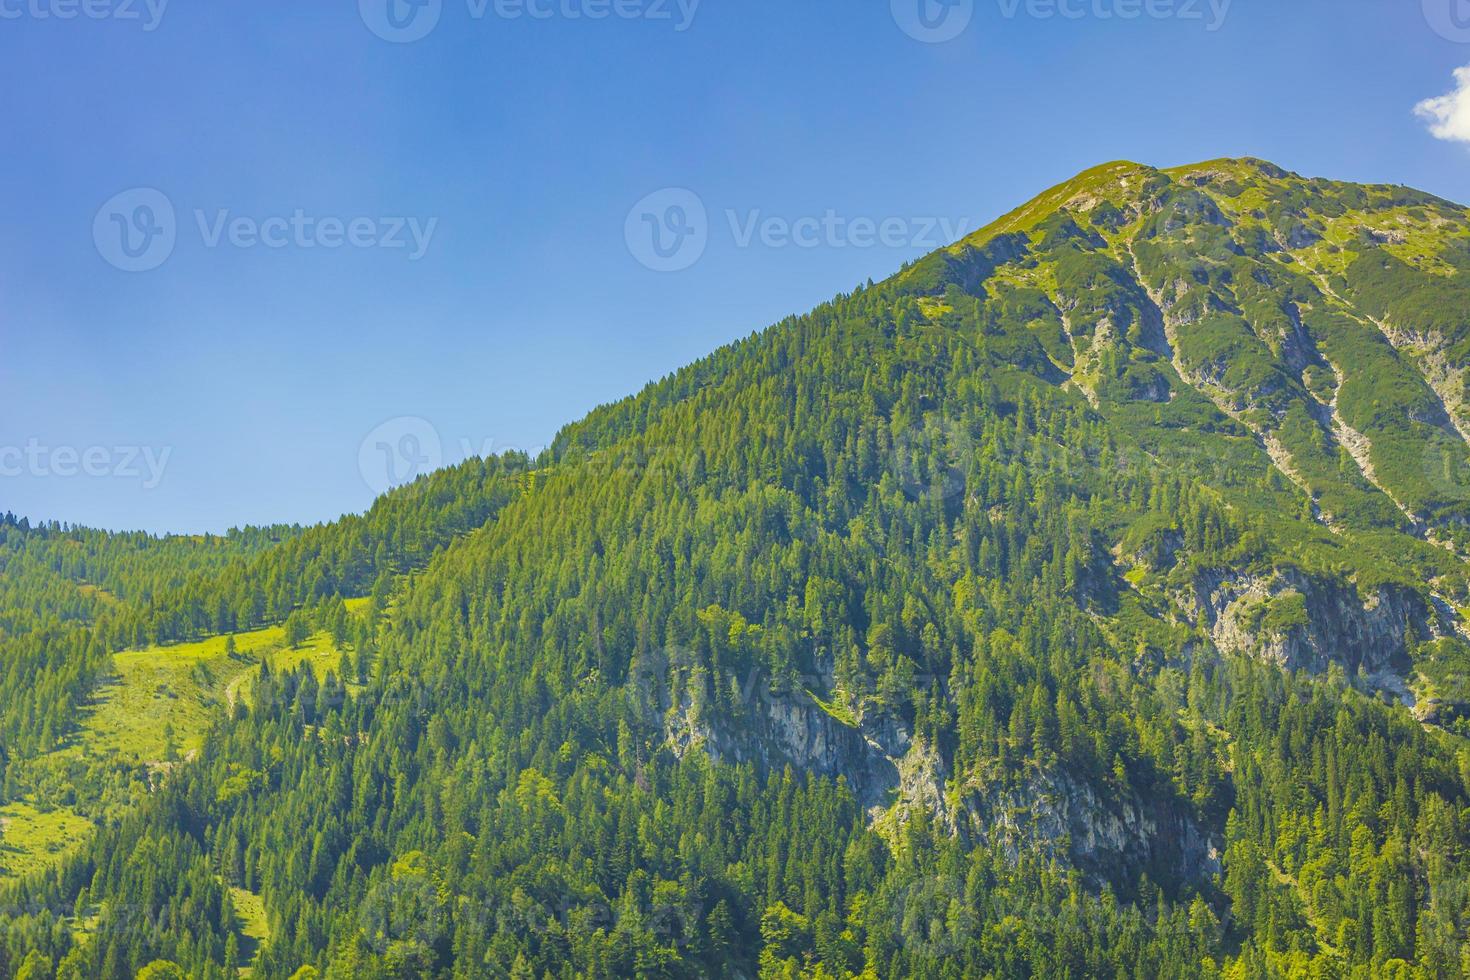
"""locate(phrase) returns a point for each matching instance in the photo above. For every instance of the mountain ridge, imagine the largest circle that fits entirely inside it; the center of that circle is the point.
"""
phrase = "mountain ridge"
(1102, 174)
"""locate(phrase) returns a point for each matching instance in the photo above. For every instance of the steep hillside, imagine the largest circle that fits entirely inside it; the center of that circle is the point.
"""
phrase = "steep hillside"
(1083, 600)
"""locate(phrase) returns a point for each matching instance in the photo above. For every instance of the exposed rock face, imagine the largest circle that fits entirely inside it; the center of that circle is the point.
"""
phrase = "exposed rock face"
(892, 774)
(922, 783)
(1304, 623)
(1065, 817)
(1150, 388)
(1448, 379)
(791, 728)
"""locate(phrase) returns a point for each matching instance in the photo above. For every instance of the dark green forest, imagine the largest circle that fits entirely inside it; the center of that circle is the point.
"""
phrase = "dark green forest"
(1083, 601)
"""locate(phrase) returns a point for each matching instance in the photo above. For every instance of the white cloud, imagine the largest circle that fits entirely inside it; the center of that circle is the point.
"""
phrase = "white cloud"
(1449, 115)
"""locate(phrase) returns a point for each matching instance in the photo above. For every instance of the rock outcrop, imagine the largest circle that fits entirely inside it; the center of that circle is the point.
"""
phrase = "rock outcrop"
(1106, 835)
(1307, 623)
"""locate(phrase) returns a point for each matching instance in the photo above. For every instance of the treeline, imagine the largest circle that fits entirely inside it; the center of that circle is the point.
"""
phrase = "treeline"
(56, 572)
(89, 593)
(398, 533)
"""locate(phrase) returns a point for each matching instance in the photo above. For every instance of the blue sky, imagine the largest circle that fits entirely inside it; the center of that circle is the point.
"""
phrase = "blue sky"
(378, 245)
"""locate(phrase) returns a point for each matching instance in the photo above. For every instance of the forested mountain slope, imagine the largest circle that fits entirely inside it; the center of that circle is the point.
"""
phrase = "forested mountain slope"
(1083, 600)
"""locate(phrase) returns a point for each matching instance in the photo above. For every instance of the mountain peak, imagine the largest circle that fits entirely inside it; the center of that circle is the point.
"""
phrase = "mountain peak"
(1247, 192)
(1118, 181)
(1238, 166)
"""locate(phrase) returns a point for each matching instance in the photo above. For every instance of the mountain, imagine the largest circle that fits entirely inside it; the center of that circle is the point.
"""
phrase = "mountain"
(1087, 599)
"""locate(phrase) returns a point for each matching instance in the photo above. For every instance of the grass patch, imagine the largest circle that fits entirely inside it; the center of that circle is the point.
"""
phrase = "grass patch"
(32, 838)
(253, 928)
(161, 701)
(837, 710)
(100, 594)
